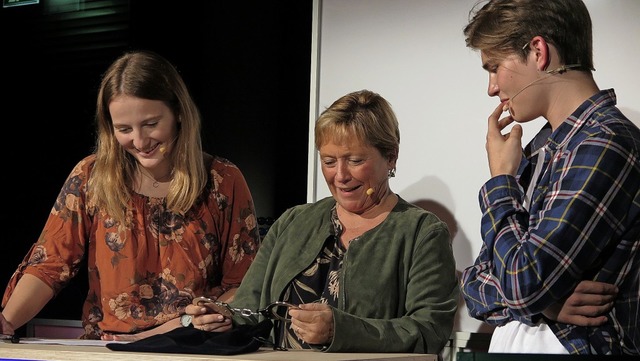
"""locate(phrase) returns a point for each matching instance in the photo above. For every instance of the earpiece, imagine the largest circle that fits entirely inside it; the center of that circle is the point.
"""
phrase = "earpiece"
(548, 60)
(559, 70)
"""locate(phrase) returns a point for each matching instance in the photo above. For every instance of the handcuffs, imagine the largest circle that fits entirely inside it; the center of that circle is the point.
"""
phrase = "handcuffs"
(269, 312)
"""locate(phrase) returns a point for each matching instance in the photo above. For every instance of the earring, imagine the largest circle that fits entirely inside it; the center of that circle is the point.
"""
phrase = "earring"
(392, 173)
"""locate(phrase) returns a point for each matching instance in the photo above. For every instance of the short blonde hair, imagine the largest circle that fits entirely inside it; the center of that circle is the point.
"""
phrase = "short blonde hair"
(365, 115)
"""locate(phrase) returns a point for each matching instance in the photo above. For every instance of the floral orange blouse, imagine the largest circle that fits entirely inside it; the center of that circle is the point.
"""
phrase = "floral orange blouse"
(146, 275)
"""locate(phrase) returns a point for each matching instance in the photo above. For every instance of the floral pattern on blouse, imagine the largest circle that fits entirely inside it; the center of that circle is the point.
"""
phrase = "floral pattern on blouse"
(145, 275)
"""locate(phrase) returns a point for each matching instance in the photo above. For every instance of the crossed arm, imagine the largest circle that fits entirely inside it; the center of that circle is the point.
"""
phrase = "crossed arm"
(586, 306)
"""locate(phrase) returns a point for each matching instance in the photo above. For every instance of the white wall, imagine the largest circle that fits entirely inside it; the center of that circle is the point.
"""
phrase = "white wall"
(413, 53)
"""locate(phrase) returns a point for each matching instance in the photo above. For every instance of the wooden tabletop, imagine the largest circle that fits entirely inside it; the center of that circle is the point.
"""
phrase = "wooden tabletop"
(57, 352)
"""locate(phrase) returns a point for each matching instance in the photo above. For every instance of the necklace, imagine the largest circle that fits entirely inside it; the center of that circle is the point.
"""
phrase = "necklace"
(155, 183)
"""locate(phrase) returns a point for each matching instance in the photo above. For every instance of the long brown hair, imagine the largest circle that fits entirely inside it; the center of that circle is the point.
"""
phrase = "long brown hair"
(145, 75)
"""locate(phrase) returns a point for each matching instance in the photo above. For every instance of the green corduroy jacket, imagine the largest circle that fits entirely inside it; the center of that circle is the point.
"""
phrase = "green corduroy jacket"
(398, 287)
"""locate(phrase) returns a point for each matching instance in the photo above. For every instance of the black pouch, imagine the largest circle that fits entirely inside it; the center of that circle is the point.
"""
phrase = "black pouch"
(241, 339)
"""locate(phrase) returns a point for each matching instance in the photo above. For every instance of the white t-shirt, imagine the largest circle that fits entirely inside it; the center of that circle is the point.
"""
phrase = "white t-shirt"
(516, 337)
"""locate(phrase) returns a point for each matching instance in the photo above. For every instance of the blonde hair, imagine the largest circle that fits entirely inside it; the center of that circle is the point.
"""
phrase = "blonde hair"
(365, 115)
(145, 75)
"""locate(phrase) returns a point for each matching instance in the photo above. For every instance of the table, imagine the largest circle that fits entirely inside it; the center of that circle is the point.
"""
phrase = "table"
(19, 351)
(483, 356)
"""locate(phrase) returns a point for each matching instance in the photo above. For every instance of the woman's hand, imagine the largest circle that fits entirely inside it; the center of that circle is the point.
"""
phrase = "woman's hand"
(207, 319)
(313, 323)
(5, 326)
(204, 319)
(586, 306)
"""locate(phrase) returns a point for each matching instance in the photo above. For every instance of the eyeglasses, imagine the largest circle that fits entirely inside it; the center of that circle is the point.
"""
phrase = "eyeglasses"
(275, 311)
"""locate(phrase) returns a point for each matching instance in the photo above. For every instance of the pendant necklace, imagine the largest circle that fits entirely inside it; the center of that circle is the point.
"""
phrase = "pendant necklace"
(155, 183)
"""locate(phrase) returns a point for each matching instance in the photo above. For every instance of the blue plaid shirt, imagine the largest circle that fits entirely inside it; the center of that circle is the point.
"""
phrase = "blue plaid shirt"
(583, 223)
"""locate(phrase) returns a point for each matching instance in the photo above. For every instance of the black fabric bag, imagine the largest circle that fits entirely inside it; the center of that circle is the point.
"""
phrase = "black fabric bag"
(189, 340)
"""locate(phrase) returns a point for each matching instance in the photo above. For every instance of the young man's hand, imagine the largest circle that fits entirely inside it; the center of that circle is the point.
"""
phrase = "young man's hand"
(586, 306)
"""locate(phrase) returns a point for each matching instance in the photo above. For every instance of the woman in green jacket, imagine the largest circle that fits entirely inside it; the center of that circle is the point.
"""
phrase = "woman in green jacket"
(369, 271)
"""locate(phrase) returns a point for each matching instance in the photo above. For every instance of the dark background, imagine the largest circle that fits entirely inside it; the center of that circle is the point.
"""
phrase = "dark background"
(247, 65)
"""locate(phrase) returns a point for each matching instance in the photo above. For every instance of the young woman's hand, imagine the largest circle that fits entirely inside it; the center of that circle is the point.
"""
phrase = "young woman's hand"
(5, 327)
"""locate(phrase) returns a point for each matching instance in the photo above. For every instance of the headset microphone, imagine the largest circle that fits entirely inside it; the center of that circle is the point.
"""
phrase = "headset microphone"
(559, 70)
(163, 147)
(370, 191)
